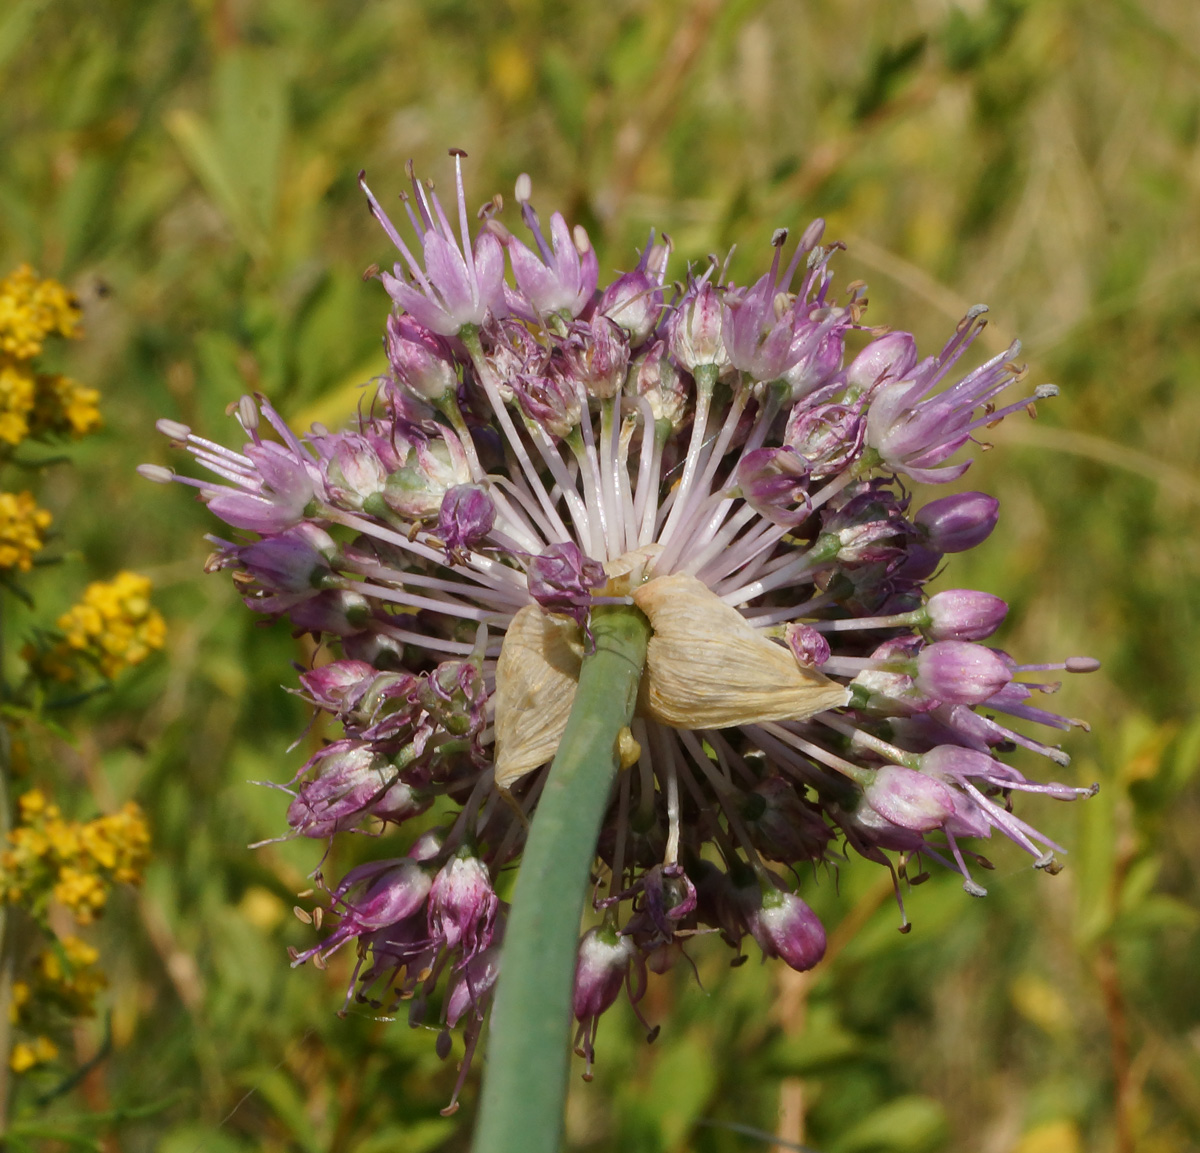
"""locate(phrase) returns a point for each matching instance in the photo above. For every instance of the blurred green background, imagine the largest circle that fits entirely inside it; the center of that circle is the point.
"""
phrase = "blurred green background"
(189, 169)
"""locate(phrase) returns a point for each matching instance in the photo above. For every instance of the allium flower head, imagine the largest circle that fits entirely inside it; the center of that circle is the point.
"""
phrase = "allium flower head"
(716, 459)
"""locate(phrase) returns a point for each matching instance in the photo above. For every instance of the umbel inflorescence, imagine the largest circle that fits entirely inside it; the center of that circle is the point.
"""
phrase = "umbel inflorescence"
(708, 452)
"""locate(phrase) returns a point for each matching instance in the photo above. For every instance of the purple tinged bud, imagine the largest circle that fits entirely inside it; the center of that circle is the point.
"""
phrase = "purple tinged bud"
(634, 301)
(353, 472)
(466, 517)
(828, 437)
(561, 580)
(909, 799)
(462, 905)
(809, 647)
(695, 329)
(964, 615)
(960, 673)
(958, 523)
(660, 382)
(598, 357)
(604, 959)
(956, 763)
(295, 561)
(774, 482)
(339, 685)
(551, 401)
(352, 782)
(476, 982)
(784, 926)
(890, 358)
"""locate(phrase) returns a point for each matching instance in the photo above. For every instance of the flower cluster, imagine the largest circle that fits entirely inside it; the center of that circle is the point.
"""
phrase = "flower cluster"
(22, 528)
(735, 461)
(113, 627)
(65, 978)
(35, 403)
(72, 862)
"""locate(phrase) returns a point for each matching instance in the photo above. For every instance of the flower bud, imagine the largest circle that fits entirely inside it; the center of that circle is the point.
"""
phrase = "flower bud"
(416, 490)
(465, 518)
(353, 472)
(339, 685)
(909, 799)
(774, 482)
(462, 905)
(352, 782)
(960, 673)
(419, 358)
(634, 301)
(604, 959)
(958, 523)
(659, 381)
(964, 615)
(889, 358)
(809, 647)
(784, 926)
(695, 329)
(478, 976)
(598, 357)
(561, 580)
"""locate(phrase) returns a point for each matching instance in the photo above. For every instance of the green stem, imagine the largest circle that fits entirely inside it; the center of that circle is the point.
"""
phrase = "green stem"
(525, 1080)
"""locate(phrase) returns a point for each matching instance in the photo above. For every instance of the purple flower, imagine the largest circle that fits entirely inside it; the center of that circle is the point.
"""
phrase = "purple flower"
(462, 905)
(960, 673)
(909, 799)
(963, 615)
(784, 926)
(562, 579)
(540, 448)
(457, 285)
(915, 430)
(465, 518)
(696, 327)
(562, 281)
(960, 522)
(420, 359)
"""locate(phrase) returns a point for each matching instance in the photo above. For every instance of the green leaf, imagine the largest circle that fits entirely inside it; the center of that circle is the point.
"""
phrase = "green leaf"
(906, 1125)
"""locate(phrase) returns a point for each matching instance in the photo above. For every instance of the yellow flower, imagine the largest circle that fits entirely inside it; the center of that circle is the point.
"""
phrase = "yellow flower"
(22, 524)
(25, 1056)
(17, 396)
(64, 407)
(31, 309)
(115, 624)
(83, 893)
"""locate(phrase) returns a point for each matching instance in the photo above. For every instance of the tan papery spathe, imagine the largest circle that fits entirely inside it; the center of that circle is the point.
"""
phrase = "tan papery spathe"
(706, 668)
(536, 678)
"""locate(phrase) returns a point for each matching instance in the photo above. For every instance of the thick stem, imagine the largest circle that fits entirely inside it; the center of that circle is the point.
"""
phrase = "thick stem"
(525, 1079)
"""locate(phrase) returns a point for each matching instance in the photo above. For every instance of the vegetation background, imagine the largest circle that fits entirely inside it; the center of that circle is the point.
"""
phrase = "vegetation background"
(189, 169)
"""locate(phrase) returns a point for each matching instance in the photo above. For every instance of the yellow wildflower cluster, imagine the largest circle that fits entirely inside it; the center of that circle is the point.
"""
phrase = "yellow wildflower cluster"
(63, 407)
(73, 862)
(18, 392)
(22, 525)
(38, 403)
(65, 977)
(114, 627)
(26, 1055)
(31, 309)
